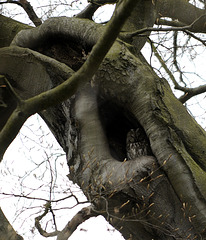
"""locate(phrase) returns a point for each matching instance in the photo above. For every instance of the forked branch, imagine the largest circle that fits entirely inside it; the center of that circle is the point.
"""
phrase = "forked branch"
(83, 215)
(39, 218)
(160, 29)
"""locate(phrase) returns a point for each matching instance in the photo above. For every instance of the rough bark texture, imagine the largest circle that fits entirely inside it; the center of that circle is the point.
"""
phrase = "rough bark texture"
(183, 11)
(131, 146)
(9, 29)
(7, 232)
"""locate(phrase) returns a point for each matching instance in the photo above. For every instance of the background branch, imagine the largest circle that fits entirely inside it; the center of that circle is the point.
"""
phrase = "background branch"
(183, 11)
(190, 92)
(169, 23)
(159, 29)
(79, 218)
(28, 9)
(70, 227)
(88, 12)
(162, 62)
(39, 218)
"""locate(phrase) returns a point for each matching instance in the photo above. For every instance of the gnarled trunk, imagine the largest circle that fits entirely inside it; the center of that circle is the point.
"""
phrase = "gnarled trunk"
(131, 145)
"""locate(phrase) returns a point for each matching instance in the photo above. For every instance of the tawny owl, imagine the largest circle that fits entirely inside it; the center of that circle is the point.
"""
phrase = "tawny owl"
(136, 144)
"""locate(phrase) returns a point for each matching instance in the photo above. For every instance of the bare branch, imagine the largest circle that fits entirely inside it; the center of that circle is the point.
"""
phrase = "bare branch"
(162, 62)
(169, 23)
(175, 48)
(46, 200)
(78, 219)
(16, 96)
(71, 85)
(88, 12)
(70, 227)
(39, 218)
(160, 29)
(183, 11)
(195, 37)
(190, 92)
(28, 9)
(30, 12)
(178, 24)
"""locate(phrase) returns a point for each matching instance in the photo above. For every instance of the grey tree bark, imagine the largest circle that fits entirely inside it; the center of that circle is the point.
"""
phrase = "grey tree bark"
(131, 146)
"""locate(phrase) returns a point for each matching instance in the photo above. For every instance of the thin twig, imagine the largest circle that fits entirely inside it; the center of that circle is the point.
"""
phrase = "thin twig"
(13, 92)
(188, 92)
(169, 23)
(162, 62)
(43, 199)
(195, 37)
(159, 29)
(175, 47)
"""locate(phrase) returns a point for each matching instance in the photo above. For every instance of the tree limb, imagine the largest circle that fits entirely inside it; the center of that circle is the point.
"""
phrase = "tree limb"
(88, 12)
(175, 49)
(159, 29)
(30, 12)
(28, 9)
(190, 92)
(70, 86)
(14, 94)
(7, 231)
(9, 29)
(171, 23)
(70, 227)
(183, 11)
(78, 219)
(39, 218)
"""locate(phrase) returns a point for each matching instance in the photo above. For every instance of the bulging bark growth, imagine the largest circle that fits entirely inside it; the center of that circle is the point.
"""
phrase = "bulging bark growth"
(131, 145)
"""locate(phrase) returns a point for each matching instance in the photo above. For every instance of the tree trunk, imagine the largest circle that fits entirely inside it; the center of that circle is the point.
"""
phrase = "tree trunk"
(6, 230)
(131, 146)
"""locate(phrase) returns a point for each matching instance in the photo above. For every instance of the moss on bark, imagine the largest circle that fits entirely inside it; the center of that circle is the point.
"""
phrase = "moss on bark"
(9, 29)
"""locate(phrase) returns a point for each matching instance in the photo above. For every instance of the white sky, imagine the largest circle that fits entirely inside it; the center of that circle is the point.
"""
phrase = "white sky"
(28, 155)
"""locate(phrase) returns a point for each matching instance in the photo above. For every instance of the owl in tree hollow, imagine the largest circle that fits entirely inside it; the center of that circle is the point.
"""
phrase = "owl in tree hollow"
(137, 144)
